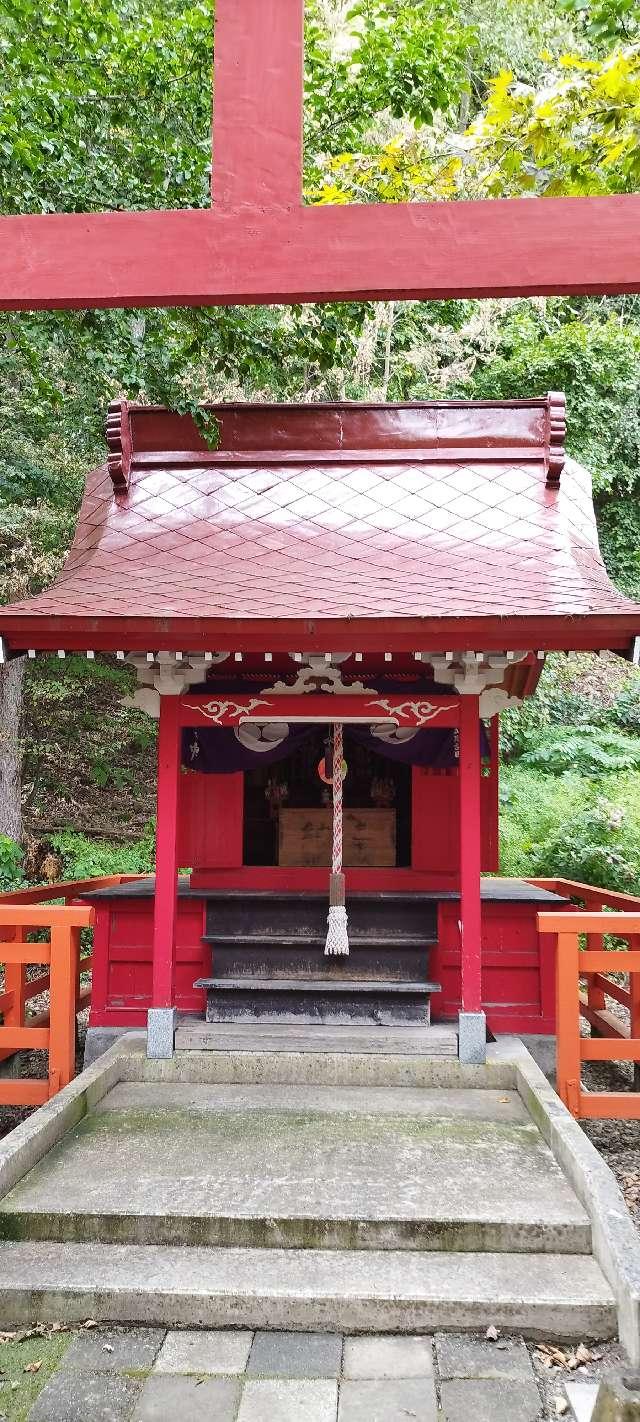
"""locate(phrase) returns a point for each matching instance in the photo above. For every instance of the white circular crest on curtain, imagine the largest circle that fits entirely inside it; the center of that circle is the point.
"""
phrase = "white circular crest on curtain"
(260, 738)
(393, 735)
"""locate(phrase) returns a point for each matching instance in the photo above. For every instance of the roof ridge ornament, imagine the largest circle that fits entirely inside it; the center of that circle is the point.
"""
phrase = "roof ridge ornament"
(556, 435)
(118, 437)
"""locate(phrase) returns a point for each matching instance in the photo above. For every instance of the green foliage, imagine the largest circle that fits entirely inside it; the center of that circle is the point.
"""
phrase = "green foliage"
(598, 847)
(407, 58)
(105, 105)
(619, 529)
(10, 864)
(606, 22)
(571, 827)
(595, 358)
(85, 858)
(589, 750)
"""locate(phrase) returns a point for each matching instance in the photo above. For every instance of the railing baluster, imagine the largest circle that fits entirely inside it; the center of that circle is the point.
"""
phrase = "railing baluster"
(568, 1019)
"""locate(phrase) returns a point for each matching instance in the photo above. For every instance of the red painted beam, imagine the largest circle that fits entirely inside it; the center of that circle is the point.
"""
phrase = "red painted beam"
(214, 708)
(593, 633)
(257, 116)
(424, 250)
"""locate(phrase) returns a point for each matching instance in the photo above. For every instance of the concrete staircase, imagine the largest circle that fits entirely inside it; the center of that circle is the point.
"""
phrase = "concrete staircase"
(302, 1206)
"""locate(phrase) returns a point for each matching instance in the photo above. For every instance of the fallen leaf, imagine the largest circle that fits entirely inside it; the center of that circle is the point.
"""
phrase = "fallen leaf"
(90, 1323)
(491, 1333)
(584, 1354)
(33, 1367)
(504, 1100)
(572, 1363)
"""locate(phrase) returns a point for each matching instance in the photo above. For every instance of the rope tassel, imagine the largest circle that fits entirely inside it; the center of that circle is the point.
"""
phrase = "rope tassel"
(337, 943)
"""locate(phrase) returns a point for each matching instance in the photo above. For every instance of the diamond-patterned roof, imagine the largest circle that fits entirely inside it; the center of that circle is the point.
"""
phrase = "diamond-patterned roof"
(325, 513)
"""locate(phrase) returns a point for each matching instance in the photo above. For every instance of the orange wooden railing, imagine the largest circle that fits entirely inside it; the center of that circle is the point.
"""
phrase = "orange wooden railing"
(62, 955)
(616, 1041)
(21, 912)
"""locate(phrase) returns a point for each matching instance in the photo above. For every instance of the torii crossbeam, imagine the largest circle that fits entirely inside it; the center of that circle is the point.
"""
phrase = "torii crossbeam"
(258, 243)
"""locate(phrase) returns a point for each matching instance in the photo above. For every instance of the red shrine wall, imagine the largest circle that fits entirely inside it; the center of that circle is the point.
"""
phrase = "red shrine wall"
(211, 833)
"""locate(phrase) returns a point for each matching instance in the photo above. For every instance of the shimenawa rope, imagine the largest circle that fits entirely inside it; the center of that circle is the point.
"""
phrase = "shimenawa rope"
(337, 936)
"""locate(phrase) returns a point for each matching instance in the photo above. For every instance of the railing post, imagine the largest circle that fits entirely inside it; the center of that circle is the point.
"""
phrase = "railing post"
(634, 1010)
(65, 956)
(15, 982)
(568, 1024)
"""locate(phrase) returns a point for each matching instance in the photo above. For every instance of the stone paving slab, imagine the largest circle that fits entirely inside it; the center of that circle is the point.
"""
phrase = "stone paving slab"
(204, 1351)
(385, 1357)
(164, 1399)
(383, 1400)
(87, 1397)
(277, 1400)
(462, 1356)
(112, 1350)
(480, 1400)
(295, 1355)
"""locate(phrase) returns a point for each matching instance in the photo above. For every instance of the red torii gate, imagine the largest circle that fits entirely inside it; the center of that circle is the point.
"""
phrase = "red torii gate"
(258, 243)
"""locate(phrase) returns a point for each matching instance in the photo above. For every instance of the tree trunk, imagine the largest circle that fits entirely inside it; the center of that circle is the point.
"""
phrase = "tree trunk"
(11, 678)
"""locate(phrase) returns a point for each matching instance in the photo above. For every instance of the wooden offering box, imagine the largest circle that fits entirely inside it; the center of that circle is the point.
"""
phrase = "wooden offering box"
(304, 839)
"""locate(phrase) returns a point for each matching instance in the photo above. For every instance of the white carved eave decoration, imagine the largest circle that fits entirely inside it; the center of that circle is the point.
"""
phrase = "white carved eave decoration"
(167, 676)
(471, 673)
(495, 700)
(423, 711)
(317, 674)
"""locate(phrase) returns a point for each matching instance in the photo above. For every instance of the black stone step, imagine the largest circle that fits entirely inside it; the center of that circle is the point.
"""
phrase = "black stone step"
(341, 1000)
(277, 916)
(303, 955)
(344, 985)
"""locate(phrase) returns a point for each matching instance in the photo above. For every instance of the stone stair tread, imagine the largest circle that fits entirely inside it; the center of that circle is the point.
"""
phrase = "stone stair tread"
(342, 1290)
(252, 983)
(261, 1042)
(315, 940)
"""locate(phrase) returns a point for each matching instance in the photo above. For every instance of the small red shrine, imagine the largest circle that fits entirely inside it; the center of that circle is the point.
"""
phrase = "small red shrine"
(397, 570)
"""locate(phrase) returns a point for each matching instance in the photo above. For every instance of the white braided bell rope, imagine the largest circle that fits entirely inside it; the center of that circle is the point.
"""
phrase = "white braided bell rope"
(337, 943)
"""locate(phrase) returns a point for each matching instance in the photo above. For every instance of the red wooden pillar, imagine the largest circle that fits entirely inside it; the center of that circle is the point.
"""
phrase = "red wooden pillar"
(161, 1018)
(472, 1036)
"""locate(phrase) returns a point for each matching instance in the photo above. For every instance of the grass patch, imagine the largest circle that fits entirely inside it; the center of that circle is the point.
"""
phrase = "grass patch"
(19, 1389)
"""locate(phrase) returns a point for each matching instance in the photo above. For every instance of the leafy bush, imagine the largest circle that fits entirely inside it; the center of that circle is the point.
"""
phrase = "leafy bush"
(572, 827)
(585, 691)
(597, 848)
(589, 750)
(10, 864)
(87, 859)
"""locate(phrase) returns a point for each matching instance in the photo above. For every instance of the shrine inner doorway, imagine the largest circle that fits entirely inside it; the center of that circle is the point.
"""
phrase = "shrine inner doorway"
(287, 808)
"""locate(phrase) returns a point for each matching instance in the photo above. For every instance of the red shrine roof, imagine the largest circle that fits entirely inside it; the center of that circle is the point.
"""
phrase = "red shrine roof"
(423, 527)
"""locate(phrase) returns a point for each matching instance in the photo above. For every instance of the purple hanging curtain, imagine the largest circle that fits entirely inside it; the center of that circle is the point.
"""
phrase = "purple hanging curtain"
(217, 751)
